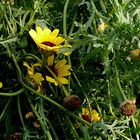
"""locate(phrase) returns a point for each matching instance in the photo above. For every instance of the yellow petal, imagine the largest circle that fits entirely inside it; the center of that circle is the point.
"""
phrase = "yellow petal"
(50, 60)
(46, 31)
(37, 65)
(67, 53)
(60, 64)
(53, 35)
(46, 35)
(58, 40)
(85, 111)
(51, 80)
(33, 33)
(63, 71)
(39, 31)
(34, 36)
(94, 116)
(39, 89)
(38, 78)
(30, 70)
(62, 80)
(1, 85)
(95, 119)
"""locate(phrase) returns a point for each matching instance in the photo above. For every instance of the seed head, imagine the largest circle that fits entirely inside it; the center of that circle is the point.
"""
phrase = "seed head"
(128, 107)
(72, 102)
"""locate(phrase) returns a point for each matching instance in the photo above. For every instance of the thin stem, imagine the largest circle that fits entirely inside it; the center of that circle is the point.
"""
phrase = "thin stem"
(32, 55)
(95, 9)
(55, 103)
(31, 17)
(134, 125)
(46, 132)
(53, 131)
(119, 133)
(109, 104)
(89, 107)
(65, 34)
(7, 39)
(121, 95)
(65, 18)
(19, 74)
(12, 93)
(77, 79)
(65, 91)
(5, 109)
(6, 18)
(73, 129)
(20, 114)
(72, 26)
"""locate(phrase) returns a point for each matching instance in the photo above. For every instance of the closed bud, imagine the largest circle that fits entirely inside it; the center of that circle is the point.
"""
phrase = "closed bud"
(72, 102)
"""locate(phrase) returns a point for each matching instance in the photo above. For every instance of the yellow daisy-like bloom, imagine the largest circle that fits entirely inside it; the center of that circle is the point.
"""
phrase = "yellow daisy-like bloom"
(34, 78)
(1, 85)
(60, 69)
(86, 115)
(48, 41)
(102, 26)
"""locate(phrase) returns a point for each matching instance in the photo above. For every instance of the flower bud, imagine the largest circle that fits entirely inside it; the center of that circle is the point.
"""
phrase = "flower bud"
(72, 102)
(128, 107)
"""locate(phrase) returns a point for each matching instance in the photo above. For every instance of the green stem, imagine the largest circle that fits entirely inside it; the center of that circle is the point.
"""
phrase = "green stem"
(65, 34)
(73, 129)
(55, 103)
(65, 18)
(98, 108)
(134, 125)
(6, 18)
(7, 40)
(120, 88)
(65, 91)
(31, 18)
(102, 6)
(46, 132)
(5, 109)
(109, 96)
(12, 93)
(119, 133)
(77, 79)
(72, 26)
(33, 56)
(20, 114)
(19, 74)
(89, 107)
(121, 96)
(53, 131)
(96, 11)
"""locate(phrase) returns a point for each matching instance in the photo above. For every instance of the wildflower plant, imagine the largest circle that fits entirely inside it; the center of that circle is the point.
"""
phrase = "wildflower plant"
(69, 69)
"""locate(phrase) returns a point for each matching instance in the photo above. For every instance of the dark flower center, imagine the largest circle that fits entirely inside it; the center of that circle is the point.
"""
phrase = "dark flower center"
(49, 44)
(53, 69)
(86, 117)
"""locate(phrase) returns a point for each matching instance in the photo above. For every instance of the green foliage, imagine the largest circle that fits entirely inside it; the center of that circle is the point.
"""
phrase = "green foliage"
(103, 73)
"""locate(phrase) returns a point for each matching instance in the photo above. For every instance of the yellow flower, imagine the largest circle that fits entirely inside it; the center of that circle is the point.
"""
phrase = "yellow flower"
(86, 115)
(46, 40)
(34, 78)
(1, 85)
(60, 69)
(102, 26)
(135, 54)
